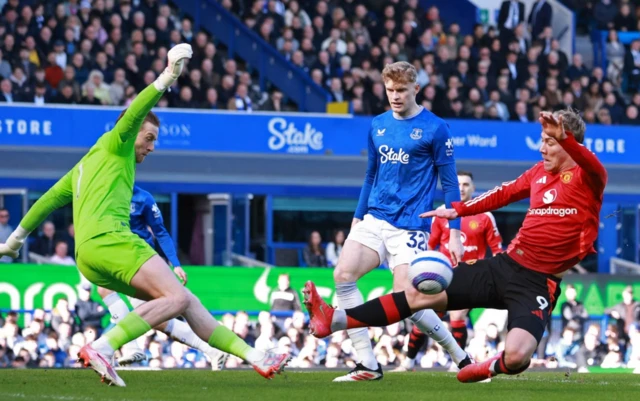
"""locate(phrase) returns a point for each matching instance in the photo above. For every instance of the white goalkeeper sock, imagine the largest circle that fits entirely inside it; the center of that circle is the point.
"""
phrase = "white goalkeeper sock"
(349, 296)
(429, 323)
(182, 332)
(117, 308)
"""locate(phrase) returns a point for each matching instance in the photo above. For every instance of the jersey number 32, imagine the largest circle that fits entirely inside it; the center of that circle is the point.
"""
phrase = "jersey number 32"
(417, 241)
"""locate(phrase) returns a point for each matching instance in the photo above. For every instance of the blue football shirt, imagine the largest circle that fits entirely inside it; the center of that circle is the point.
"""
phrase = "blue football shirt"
(406, 157)
(145, 213)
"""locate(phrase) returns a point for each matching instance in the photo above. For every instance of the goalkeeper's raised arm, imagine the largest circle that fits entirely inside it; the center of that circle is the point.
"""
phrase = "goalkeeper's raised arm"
(128, 126)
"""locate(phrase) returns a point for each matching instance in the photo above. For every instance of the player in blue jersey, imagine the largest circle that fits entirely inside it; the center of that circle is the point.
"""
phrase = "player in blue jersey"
(146, 221)
(409, 148)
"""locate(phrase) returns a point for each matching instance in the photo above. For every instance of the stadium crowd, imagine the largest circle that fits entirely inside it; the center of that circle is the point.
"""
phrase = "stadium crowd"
(106, 51)
(53, 339)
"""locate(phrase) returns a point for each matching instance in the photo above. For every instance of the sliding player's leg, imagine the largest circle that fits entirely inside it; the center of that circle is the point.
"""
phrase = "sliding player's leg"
(530, 297)
(471, 286)
(139, 271)
(131, 351)
(182, 332)
(429, 322)
(156, 281)
(358, 258)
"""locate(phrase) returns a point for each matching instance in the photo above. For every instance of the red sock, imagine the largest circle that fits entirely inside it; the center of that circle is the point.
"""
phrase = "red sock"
(416, 342)
(459, 332)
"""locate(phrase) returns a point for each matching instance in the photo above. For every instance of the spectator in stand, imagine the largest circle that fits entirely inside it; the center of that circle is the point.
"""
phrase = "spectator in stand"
(334, 248)
(615, 56)
(632, 66)
(604, 13)
(5, 67)
(510, 16)
(627, 313)
(61, 255)
(540, 18)
(313, 254)
(274, 103)
(284, 299)
(574, 314)
(631, 116)
(88, 311)
(45, 244)
(5, 232)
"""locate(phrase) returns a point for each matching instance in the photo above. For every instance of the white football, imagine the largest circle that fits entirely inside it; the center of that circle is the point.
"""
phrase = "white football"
(430, 272)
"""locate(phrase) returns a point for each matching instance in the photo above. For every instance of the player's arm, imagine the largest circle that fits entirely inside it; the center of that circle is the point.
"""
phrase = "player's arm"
(492, 235)
(370, 176)
(57, 196)
(496, 198)
(127, 128)
(153, 219)
(581, 155)
(586, 160)
(446, 165)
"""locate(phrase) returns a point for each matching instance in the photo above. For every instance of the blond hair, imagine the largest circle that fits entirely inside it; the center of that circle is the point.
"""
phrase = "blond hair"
(400, 72)
(572, 122)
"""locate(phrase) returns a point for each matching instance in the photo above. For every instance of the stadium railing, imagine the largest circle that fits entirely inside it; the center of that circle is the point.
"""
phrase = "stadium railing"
(242, 41)
(621, 266)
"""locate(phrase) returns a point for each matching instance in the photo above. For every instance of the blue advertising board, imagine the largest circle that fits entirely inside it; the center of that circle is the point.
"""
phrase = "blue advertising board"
(291, 133)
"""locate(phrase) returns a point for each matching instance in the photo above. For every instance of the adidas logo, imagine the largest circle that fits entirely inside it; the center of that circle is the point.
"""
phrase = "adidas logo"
(542, 180)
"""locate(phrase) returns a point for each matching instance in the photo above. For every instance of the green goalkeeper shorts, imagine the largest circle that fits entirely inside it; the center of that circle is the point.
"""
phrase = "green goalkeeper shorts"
(110, 260)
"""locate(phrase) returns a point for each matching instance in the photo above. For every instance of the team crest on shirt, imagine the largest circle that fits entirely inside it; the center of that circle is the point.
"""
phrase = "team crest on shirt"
(416, 134)
(155, 210)
(132, 208)
(566, 177)
(473, 225)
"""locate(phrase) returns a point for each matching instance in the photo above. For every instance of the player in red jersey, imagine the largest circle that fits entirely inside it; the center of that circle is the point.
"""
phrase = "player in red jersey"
(565, 191)
(478, 233)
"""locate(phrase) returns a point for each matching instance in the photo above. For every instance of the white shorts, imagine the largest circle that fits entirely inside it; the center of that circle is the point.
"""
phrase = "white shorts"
(394, 245)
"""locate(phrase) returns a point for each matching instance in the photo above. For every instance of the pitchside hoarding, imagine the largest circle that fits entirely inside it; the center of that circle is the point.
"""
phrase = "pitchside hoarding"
(221, 289)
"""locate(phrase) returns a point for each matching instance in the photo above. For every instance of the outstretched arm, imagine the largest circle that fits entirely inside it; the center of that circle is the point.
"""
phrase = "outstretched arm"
(496, 198)
(128, 126)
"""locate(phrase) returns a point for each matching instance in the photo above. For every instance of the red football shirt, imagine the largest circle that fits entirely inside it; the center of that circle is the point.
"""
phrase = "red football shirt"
(562, 222)
(476, 232)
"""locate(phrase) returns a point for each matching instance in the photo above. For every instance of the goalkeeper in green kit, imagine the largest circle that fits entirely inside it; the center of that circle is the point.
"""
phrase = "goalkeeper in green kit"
(100, 188)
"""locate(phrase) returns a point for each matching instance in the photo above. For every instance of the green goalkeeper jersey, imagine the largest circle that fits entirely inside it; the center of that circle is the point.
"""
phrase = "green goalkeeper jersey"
(101, 184)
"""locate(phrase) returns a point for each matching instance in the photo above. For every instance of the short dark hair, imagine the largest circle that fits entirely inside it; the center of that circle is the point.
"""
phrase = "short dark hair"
(465, 173)
(151, 117)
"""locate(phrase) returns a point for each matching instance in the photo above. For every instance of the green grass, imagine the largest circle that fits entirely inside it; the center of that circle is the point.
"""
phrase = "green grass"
(84, 385)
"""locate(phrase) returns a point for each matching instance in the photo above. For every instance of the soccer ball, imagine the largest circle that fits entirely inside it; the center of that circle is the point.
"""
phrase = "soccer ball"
(430, 272)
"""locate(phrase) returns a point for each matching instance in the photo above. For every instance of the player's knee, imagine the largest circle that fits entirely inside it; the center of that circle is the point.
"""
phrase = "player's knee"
(181, 301)
(344, 275)
(517, 359)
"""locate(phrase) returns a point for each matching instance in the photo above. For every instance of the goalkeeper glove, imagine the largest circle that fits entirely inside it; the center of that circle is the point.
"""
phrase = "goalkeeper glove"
(15, 241)
(176, 56)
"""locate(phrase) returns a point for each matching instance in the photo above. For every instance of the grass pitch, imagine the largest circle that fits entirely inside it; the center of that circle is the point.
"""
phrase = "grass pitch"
(84, 385)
